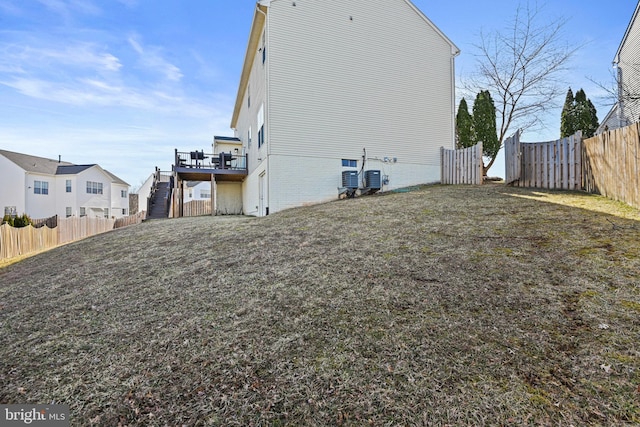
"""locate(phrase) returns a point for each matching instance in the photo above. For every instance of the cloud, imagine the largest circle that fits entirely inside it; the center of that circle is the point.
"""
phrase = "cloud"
(151, 59)
(45, 57)
(67, 8)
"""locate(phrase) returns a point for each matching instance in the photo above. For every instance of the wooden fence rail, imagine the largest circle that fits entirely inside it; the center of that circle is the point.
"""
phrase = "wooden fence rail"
(463, 166)
(612, 164)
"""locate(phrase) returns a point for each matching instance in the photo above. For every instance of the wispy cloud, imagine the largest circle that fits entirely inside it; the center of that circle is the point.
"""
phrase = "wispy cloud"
(67, 8)
(46, 56)
(10, 8)
(151, 59)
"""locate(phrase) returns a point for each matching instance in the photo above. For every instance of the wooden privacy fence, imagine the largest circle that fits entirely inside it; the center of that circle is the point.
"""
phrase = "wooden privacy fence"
(74, 228)
(462, 166)
(197, 208)
(126, 221)
(612, 164)
(549, 165)
(24, 240)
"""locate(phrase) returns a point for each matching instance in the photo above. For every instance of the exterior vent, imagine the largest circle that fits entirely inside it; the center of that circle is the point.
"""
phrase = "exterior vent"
(350, 179)
(372, 179)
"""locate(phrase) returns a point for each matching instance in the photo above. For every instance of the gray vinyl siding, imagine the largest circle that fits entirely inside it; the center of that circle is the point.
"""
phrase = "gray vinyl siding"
(630, 65)
(360, 74)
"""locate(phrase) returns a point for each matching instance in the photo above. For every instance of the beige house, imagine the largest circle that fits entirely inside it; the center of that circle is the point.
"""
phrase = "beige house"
(361, 90)
(627, 65)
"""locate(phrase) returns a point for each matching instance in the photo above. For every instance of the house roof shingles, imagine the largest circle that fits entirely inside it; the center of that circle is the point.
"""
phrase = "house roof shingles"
(33, 163)
(46, 166)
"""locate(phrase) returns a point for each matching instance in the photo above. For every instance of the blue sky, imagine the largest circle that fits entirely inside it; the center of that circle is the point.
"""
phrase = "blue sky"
(122, 83)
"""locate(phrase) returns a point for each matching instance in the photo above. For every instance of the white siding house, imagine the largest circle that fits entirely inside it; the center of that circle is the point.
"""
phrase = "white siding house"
(627, 64)
(338, 85)
(43, 187)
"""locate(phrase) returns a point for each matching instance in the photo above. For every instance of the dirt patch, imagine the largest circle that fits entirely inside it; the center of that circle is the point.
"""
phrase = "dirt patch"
(444, 305)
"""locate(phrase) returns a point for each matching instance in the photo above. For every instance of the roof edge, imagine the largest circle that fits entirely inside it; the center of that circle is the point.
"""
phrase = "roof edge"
(259, 19)
(616, 59)
(455, 50)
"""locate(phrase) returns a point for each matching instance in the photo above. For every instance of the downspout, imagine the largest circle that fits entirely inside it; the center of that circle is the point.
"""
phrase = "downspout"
(453, 98)
(621, 120)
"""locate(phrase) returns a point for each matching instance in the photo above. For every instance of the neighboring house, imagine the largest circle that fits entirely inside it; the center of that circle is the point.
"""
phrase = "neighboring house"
(338, 85)
(627, 65)
(196, 190)
(43, 187)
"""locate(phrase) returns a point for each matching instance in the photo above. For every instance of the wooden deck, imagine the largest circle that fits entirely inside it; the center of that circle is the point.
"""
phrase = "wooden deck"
(201, 166)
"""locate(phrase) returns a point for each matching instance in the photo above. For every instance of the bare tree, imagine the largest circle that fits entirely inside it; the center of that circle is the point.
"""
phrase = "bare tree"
(521, 67)
(623, 92)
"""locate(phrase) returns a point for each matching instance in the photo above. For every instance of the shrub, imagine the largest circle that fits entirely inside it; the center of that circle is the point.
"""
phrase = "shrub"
(21, 221)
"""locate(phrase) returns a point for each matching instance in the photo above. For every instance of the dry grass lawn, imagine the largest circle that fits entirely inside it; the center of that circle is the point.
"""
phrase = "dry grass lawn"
(446, 305)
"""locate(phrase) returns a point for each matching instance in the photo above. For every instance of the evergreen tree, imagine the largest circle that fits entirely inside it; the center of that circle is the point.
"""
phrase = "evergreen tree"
(586, 115)
(484, 124)
(464, 126)
(567, 118)
(578, 113)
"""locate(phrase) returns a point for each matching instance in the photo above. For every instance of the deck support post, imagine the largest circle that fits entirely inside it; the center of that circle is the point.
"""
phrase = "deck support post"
(214, 196)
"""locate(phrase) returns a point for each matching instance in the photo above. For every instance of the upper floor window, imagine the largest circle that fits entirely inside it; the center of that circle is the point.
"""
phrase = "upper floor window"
(123, 193)
(249, 137)
(249, 96)
(40, 187)
(261, 126)
(68, 185)
(264, 47)
(94, 187)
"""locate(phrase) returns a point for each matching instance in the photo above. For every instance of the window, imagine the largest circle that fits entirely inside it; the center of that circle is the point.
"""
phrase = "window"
(94, 187)
(261, 126)
(204, 194)
(124, 211)
(40, 187)
(123, 193)
(264, 47)
(11, 211)
(83, 212)
(249, 96)
(249, 137)
(68, 211)
(106, 212)
(68, 185)
(348, 163)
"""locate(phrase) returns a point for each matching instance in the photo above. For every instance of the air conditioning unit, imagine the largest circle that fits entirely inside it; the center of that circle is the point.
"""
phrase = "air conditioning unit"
(350, 179)
(372, 179)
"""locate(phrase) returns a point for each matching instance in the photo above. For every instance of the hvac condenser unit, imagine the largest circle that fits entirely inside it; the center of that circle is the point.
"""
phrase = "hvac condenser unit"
(372, 180)
(350, 179)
